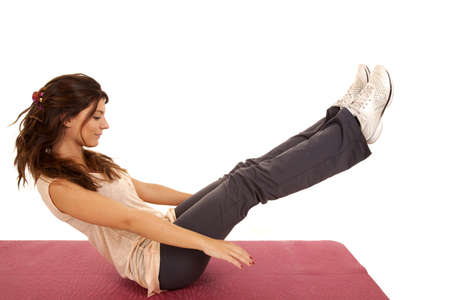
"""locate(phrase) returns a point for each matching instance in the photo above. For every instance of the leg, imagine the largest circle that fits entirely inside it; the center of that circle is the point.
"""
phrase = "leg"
(337, 146)
(292, 141)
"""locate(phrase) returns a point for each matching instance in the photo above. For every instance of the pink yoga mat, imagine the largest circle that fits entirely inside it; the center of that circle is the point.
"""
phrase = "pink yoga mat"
(283, 270)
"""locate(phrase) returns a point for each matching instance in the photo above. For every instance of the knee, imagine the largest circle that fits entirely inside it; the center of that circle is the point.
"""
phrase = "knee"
(238, 166)
(247, 163)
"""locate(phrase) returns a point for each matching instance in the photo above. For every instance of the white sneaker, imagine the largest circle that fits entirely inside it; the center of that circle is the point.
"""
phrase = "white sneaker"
(361, 79)
(370, 104)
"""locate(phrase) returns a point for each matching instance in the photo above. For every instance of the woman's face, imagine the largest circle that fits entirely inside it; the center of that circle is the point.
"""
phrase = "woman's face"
(92, 129)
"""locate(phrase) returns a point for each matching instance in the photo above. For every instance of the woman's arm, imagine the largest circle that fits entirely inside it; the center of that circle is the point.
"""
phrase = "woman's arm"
(155, 228)
(158, 194)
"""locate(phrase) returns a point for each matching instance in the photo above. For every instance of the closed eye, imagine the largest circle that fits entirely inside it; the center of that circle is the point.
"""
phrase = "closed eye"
(97, 118)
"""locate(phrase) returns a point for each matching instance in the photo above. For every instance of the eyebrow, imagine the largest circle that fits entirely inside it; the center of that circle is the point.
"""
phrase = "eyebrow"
(100, 111)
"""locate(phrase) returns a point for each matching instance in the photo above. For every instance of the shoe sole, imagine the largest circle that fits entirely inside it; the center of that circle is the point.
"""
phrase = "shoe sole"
(379, 129)
(367, 73)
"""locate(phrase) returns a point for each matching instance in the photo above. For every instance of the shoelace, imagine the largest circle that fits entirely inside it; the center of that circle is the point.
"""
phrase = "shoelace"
(348, 94)
(361, 100)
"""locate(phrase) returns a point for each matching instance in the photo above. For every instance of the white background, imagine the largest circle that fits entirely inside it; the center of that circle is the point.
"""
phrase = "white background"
(197, 86)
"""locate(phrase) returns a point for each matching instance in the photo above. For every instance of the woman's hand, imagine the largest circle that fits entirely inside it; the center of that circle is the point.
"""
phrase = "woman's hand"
(227, 251)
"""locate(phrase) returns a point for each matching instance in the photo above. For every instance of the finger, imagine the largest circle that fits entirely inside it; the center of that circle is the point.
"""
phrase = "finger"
(243, 255)
(235, 262)
(240, 253)
(241, 258)
(246, 255)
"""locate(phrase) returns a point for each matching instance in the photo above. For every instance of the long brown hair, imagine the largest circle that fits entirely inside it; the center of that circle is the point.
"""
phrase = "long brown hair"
(63, 98)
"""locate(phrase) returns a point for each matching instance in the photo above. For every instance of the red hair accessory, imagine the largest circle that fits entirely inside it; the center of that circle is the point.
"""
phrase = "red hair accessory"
(37, 98)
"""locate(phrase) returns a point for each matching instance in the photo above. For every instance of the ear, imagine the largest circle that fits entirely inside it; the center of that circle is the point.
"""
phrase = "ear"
(67, 123)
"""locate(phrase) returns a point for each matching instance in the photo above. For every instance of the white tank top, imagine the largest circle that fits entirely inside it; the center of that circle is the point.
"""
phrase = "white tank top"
(134, 257)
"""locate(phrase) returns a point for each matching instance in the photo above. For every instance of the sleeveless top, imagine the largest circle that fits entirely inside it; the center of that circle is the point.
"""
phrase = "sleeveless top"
(133, 256)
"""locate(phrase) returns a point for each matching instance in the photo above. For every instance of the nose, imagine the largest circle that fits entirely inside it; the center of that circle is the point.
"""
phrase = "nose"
(105, 125)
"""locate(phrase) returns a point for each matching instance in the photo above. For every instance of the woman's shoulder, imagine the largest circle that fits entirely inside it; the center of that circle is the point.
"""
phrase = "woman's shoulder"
(45, 179)
(96, 176)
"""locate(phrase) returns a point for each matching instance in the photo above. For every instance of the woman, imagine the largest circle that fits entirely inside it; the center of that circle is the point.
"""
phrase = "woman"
(160, 252)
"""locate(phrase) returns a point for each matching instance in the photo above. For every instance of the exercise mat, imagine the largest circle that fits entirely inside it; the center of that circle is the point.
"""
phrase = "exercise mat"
(292, 269)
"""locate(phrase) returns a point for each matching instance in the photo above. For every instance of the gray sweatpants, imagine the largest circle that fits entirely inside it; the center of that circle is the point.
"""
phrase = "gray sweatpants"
(333, 144)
